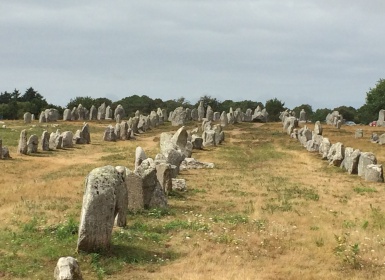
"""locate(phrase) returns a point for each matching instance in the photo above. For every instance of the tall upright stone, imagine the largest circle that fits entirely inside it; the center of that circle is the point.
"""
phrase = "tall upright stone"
(302, 116)
(101, 112)
(366, 158)
(381, 116)
(67, 115)
(178, 117)
(27, 117)
(119, 111)
(100, 206)
(224, 120)
(209, 113)
(194, 114)
(318, 128)
(32, 144)
(22, 148)
(93, 113)
(108, 113)
(67, 140)
(81, 112)
(201, 111)
(45, 141)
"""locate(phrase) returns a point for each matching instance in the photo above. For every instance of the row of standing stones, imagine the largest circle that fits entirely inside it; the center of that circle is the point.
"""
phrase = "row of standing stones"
(112, 191)
(352, 160)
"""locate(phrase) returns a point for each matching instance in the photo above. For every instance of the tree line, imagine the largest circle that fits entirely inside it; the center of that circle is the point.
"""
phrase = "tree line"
(14, 105)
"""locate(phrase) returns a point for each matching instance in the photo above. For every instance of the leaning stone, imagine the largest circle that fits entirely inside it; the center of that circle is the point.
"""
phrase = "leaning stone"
(99, 209)
(85, 133)
(164, 175)
(366, 158)
(374, 173)
(22, 148)
(350, 162)
(67, 268)
(179, 185)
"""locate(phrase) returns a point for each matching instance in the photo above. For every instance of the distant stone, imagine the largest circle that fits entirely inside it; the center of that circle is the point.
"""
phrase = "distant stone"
(22, 147)
(208, 138)
(192, 163)
(140, 156)
(45, 141)
(93, 115)
(374, 138)
(119, 113)
(318, 128)
(101, 112)
(201, 111)
(359, 133)
(27, 117)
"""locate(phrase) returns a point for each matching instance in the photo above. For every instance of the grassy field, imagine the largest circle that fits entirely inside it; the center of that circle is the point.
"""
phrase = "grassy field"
(268, 210)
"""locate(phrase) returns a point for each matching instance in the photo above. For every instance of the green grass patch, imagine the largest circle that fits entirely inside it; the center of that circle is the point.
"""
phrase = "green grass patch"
(362, 190)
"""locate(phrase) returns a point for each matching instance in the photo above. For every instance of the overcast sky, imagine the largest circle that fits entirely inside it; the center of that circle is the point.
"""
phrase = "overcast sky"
(319, 52)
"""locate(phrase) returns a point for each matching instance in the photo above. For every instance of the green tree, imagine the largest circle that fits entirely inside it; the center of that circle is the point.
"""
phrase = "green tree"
(5, 97)
(320, 115)
(308, 109)
(375, 101)
(208, 100)
(86, 102)
(348, 113)
(274, 107)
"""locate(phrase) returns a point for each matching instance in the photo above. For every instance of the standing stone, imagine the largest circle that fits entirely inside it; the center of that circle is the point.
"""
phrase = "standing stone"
(304, 135)
(178, 117)
(209, 113)
(161, 116)
(67, 141)
(350, 162)
(230, 118)
(197, 142)
(201, 111)
(381, 116)
(339, 124)
(154, 119)
(374, 173)
(99, 209)
(164, 176)
(55, 141)
(336, 154)
(302, 116)
(366, 158)
(101, 112)
(74, 114)
(119, 111)
(117, 131)
(81, 112)
(93, 113)
(217, 116)
(32, 144)
(51, 115)
(42, 118)
(224, 120)
(108, 113)
(140, 156)
(85, 133)
(135, 191)
(194, 114)
(188, 115)
(313, 144)
(318, 128)
(135, 122)
(45, 141)
(208, 138)
(359, 133)
(67, 268)
(22, 148)
(67, 115)
(109, 134)
(121, 205)
(123, 130)
(27, 117)
(324, 148)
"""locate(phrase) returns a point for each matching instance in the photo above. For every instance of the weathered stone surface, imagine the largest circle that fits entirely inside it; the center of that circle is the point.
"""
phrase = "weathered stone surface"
(208, 138)
(27, 117)
(4, 153)
(109, 134)
(314, 144)
(99, 209)
(170, 150)
(209, 113)
(22, 147)
(336, 154)
(67, 115)
(194, 114)
(219, 134)
(302, 116)
(339, 124)
(121, 192)
(180, 140)
(350, 162)
(45, 141)
(134, 126)
(119, 110)
(134, 185)
(55, 141)
(374, 138)
(366, 158)
(260, 115)
(179, 184)
(224, 120)
(201, 111)
(374, 173)
(230, 118)
(67, 268)
(85, 133)
(140, 156)
(74, 114)
(381, 120)
(42, 118)
(51, 115)
(108, 113)
(290, 122)
(101, 112)
(178, 117)
(359, 133)
(197, 142)
(67, 141)
(381, 139)
(318, 128)
(304, 135)
(324, 147)
(192, 163)
(217, 116)
(93, 115)
(164, 176)
(153, 195)
(32, 144)
(81, 112)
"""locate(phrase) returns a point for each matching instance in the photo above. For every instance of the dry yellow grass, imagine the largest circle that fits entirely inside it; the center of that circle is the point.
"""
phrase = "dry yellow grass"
(261, 176)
